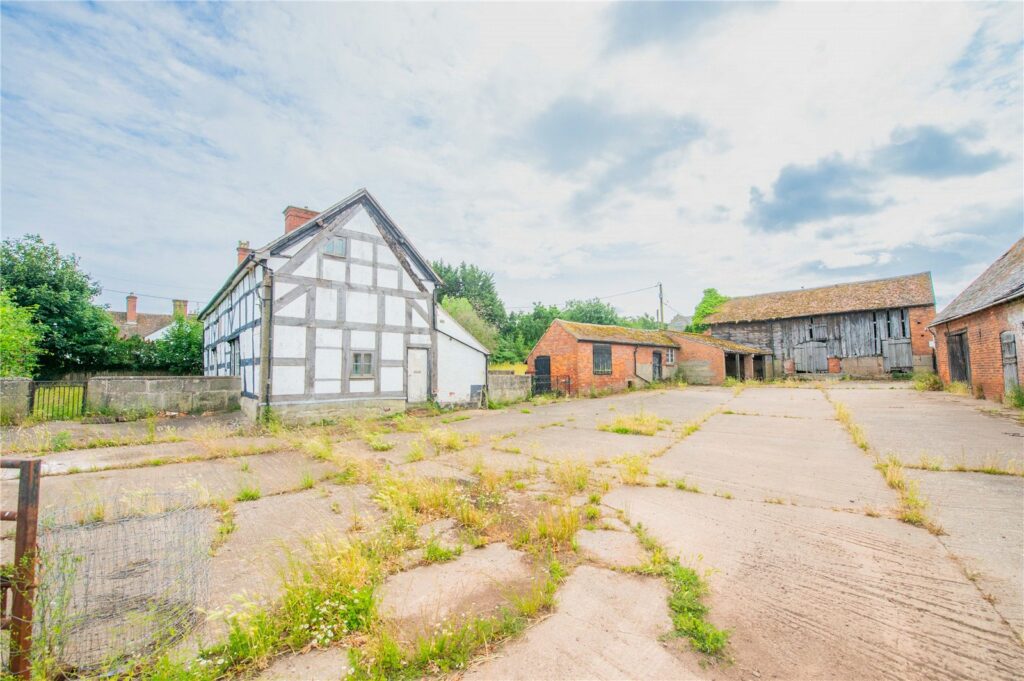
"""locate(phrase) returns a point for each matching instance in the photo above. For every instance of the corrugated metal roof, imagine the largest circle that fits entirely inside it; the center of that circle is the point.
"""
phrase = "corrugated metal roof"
(879, 294)
(602, 333)
(1003, 280)
(722, 343)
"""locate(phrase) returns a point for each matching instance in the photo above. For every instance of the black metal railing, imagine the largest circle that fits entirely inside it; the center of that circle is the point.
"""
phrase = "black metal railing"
(544, 383)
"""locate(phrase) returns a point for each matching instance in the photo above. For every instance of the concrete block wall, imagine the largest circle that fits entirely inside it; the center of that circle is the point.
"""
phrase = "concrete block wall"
(700, 363)
(15, 394)
(190, 394)
(507, 387)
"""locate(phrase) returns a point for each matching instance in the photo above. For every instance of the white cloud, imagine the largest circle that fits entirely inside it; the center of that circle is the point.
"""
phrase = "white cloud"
(150, 138)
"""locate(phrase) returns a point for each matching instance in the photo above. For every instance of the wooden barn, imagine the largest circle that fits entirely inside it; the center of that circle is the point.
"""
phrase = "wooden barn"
(865, 328)
(339, 313)
(978, 335)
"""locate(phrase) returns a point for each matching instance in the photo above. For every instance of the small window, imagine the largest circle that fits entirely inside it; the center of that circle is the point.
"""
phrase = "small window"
(362, 364)
(670, 356)
(236, 357)
(336, 246)
(602, 359)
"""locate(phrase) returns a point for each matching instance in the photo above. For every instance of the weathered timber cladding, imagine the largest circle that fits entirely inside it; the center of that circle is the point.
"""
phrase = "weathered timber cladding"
(845, 335)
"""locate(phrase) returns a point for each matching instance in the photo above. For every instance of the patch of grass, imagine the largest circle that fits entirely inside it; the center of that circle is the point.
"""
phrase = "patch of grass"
(1015, 397)
(926, 381)
(958, 388)
(723, 495)
(433, 552)
(524, 410)
(448, 440)
(591, 512)
(684, 486)
(456, 418)
(570, 476)
(377, 443)
(60, 441)
(633, 470)
(248, 493)
(416, 452)
(689, 614)
(774, 500)
(641, 423)
(307, 481)
(930, 463)
(912, 505)
(319, 447)
(552, 530)
(507, 449)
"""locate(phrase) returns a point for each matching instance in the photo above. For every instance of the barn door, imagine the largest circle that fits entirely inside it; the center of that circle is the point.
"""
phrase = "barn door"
(656, 366)
(1009, 347)
(896, 354)
(811, 357)
(959, 360)
(416, 368)
(542, 374)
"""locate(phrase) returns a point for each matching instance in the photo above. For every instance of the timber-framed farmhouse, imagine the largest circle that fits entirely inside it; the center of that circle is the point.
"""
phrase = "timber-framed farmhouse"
(353, 320)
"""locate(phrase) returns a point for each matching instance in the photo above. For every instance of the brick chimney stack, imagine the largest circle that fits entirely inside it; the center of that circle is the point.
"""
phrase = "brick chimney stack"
(132, 314)
(296, 217)
(180, 307)
(243, 251)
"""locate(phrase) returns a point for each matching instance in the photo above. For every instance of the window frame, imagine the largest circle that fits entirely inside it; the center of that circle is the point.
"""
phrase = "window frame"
(670, 355)
(328, 247)
(594, 358)
(356, 363)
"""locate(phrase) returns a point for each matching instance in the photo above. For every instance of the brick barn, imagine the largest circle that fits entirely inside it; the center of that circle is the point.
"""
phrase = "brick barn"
(579, 358)
(865, 328)
(978, 335)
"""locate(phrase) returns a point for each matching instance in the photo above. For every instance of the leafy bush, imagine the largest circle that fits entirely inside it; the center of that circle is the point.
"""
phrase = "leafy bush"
(926, 380)
(19, 338)
(1015, 398)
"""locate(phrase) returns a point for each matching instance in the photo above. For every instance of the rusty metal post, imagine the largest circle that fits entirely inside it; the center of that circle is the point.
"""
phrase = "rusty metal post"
(23, 578)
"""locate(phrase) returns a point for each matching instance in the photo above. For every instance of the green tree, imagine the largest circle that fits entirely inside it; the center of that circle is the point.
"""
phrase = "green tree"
(476, 286)
(644, 321)
(591, 311)
(709, 304)
(19, 338)
(77, 334)
(465, 314)
(522, 331)
(180, 351)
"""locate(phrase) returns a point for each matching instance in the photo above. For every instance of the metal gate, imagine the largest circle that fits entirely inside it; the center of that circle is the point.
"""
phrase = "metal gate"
(811, 357)
(19, 577)
(896, 354)
(1009, 347)
(546, 383)
(58, 400)
(959, 359)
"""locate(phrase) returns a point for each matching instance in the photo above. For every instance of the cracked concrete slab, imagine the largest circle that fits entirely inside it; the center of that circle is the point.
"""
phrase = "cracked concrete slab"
(807, 462)
(330, 664)
(814, 593)
(610, 547)
(477, 583)
(606, 626)
(802, 403)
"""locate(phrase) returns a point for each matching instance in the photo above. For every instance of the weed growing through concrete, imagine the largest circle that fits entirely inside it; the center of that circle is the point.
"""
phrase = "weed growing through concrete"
(641, 423)
(377, 443)
(723, 495)
(248, 493)
(448, 440)
(633, 470)
(958, 388)
(684, 486)
(416, 452)
(307, 481)
(433, 552)
(507, 449)
(456, 418)
(912, 505)
(845, 419)
(570, 476)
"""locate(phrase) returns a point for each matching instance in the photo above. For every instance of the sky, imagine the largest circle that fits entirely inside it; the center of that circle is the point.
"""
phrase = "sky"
(574, 150)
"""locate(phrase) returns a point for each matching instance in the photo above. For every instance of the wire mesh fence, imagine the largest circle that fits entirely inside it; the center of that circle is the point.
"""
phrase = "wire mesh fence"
(119, 579)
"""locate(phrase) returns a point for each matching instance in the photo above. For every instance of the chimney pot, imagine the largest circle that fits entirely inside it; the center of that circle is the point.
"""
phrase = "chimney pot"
(132, 313)
(243, 251)
(180, 307)
(295, 217)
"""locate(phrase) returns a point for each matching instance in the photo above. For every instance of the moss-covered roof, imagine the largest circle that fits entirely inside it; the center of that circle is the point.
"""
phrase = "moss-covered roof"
(722, 343)
(879, 294)
(602, 333)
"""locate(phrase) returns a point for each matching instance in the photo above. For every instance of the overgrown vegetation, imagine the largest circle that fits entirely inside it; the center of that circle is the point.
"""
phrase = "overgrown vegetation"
(641, 423)
(926, 381)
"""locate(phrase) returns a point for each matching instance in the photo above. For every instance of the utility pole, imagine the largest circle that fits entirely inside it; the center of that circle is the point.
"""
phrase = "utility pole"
(661, 305)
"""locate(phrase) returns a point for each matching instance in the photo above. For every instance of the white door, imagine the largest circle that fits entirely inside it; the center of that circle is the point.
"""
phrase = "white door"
(416, 366)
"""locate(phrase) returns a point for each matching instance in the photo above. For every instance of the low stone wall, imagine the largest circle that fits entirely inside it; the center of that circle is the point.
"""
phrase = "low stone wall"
(186, 394)
(15, 394)
(507, 387)
(696, 371)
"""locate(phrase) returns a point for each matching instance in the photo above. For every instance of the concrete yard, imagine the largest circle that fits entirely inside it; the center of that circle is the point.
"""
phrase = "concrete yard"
(520, 516)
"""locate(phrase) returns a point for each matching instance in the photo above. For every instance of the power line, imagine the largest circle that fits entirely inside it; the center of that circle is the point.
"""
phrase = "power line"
(614, 295)
(147, 295)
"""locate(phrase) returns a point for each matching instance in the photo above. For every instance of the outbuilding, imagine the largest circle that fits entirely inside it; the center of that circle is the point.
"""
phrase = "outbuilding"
(978, 335)
(863, 328)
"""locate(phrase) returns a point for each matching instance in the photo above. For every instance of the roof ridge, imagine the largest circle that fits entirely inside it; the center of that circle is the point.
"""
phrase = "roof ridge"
(843, 283)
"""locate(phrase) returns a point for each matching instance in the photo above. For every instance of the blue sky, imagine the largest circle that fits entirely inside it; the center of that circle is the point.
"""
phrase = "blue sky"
(576, 150)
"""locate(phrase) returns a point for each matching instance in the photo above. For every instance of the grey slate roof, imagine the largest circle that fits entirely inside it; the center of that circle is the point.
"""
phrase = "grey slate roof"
(1002, 281)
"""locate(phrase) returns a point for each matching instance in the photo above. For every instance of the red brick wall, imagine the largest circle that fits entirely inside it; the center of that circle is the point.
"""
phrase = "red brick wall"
(560, 345)
(575, 359)
(692, 351)
(835, 365)
(920, 318)
(983, 347)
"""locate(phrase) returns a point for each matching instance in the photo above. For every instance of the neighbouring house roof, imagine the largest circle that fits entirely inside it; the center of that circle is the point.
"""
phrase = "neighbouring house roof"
(911, 290)
(146, 323)
(722, 343)
(280, 243)
(1002, 281)
(602, 333)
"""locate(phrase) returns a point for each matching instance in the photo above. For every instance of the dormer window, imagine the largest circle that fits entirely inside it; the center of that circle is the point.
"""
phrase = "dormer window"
(336, 246)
